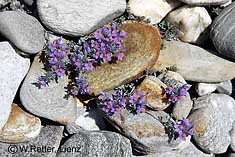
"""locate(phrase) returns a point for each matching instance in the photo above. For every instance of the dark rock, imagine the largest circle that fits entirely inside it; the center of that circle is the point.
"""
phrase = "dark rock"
(223, 32)
(46, 144)
(100, 144)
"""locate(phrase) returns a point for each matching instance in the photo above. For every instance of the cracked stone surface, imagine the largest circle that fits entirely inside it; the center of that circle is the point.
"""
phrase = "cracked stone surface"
(213, 117)
(74, 18)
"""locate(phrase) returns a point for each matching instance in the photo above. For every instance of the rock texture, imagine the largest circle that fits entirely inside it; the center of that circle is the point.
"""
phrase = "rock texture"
(48, 102)
(23, 30)
(13, 69)
(81, 17)
(20, 126)
(88, 118)
(223, 32)
(190, 151)
(191, 22)
(232, 134)
(194, 63)
(213, 117)
(98, 144)
(205, 2)
(46, 144)
(156, 10)
(207, 88)
(146, 131)
(154, 88)
(182, 108)
(142, 43)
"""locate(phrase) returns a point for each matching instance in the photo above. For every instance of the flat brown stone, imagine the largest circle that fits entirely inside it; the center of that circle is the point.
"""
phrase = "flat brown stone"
(20, 126)
(154, 88)
(142, 43)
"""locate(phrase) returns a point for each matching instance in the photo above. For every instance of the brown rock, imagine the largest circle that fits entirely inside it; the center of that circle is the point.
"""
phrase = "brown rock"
(20, 126)
(156, 97)
(142, 43)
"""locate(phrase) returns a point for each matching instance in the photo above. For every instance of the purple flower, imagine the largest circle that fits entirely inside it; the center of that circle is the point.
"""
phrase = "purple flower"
(169, 90)
(53, 60)
(106, 56)
(60, 71)
(82, 87)
(88, 66)
(173, 99)
(137, 98)
(122, 34)
(41, 82)
(75, 60)
(183, 129)
(120, 56)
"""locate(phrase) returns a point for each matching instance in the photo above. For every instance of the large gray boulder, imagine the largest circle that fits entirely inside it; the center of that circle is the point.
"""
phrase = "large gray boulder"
(213, 117)
(97, 143)
(81, 17)
(13, 69)
(46, 144)
(48, 102)
(223, 32)
(23, 30)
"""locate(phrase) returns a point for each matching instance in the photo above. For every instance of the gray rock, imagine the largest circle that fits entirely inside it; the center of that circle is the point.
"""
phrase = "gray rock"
(99, 144)
(29, 2)
(81, 17)
(23, 30)
(48, 102)
(87, 119)
(223, 32)
(207, 88)
(13, 69)
(232, 134)
(231, 155)
(225, 87)
(145, 131)
(213, 117)
(194, 63)
(46, 144)
(205, 2)
(182, 108)
(190, 151)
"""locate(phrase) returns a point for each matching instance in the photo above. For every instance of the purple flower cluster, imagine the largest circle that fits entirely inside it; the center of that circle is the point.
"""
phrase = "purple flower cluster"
(81, 63)
(75, 59)
(107, 43)
(174, 93)
(183, 129)
(58, 56)
(117, 102)
(79, 87)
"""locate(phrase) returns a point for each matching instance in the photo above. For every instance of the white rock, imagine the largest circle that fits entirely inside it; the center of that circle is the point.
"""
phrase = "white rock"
(191, 22)
(78, 17)
(205, 2)
(156, 10)
(207, 88)
(13, 69)
(87, 119)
